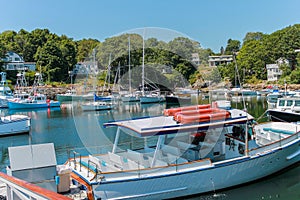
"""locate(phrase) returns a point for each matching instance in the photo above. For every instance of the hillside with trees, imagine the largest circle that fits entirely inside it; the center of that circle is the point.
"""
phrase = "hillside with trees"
(56, 55)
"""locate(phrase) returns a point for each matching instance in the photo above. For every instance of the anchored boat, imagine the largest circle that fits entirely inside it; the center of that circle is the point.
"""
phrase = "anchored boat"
(184, 158)
(14, 124)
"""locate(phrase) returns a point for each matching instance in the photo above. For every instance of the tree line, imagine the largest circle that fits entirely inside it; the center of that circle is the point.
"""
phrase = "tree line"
(56, 55)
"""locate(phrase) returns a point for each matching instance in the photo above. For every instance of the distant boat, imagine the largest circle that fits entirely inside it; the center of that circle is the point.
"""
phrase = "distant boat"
(148, 96)
(14, 124)
(5, 91)
(245, 92)
(130, 96)
(35, 101)
(97, 105)
(287, 109)
(152, 97)
(71, 95)
(273, 96)
(103, 98)
(175, 99)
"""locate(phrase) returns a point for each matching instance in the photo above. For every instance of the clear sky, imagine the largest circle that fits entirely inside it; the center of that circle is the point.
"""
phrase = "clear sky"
(210, 22)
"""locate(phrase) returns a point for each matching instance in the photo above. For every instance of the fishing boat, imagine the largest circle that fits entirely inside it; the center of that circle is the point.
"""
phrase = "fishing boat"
(287, 109)
(187, 150)
(14, 124)
(5, 91)
(35, 101)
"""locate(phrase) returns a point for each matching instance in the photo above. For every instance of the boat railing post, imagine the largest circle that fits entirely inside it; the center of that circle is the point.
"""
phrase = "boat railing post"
(176, 162)
(139, 169)
(88, 171)
(74, 158)
(69, 156)
(80, 162)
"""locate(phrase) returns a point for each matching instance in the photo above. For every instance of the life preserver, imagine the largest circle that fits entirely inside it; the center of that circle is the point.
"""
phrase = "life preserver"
(172, 111)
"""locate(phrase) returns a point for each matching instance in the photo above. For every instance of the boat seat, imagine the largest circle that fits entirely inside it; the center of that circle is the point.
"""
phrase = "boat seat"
(158, 162)
(103, 165)
(137, 157)
(175, 160)
(171, 150)
(279, 131)
(184, 146)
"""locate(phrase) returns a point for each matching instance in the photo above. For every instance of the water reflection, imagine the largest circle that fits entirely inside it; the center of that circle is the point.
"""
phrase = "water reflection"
(70, 128)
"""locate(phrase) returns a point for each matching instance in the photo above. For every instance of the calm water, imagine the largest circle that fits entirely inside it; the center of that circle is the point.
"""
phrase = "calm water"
(69, 128)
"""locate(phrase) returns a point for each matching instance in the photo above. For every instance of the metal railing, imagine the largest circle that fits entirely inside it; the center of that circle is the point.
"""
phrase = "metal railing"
(20, 189)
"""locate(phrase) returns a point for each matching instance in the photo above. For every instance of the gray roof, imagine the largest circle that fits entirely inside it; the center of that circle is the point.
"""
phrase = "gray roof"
(32, 156)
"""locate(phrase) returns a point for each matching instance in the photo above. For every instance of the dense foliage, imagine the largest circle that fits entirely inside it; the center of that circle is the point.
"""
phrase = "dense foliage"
(56, 55)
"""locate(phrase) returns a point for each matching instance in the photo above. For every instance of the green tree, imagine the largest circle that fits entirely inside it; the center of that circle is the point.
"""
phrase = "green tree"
(49, 60)
(232, 46)
(85, 48)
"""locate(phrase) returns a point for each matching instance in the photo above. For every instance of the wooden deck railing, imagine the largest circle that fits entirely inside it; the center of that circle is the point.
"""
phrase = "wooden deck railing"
(27, 190)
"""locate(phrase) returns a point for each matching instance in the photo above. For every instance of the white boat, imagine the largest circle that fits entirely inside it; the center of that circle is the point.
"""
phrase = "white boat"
(245, 92)
(189, 150)
(14, 124)
(97, 105)
(5, 91)
(130, 98)
(152, 97)
(71, 95)
(149, 96)
(287, 109)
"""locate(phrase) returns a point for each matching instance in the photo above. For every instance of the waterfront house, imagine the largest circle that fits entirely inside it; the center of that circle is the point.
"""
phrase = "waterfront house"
(219, 60)
(14, 61)
(273, 70)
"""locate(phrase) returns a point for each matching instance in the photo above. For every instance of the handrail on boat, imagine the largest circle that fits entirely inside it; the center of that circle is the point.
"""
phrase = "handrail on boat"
(33, 191)
(74, 160)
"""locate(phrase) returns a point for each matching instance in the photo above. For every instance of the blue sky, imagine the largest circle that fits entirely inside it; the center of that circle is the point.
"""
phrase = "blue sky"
(210, 22)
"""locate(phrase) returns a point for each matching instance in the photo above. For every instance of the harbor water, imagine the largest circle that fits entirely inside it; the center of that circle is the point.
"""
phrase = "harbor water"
(70, 129)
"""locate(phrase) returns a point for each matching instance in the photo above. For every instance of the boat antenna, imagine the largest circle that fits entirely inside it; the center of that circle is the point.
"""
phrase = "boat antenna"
(244, 105)
(238, 79)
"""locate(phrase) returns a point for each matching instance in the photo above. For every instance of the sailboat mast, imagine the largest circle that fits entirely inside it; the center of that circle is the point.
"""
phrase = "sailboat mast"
(129, 70)
(143, 66)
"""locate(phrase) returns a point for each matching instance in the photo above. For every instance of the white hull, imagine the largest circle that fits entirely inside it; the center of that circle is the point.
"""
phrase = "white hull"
(197, 180)
(188, 164)
(96, 106)
(14, 124)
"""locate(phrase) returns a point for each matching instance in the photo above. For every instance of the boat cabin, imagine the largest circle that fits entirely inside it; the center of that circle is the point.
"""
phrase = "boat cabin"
(289, 103)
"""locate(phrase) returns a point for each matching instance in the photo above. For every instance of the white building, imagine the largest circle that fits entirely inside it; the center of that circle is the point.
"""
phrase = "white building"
(219, 60)
(273, 70)
(13, 61)
(86, 68)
